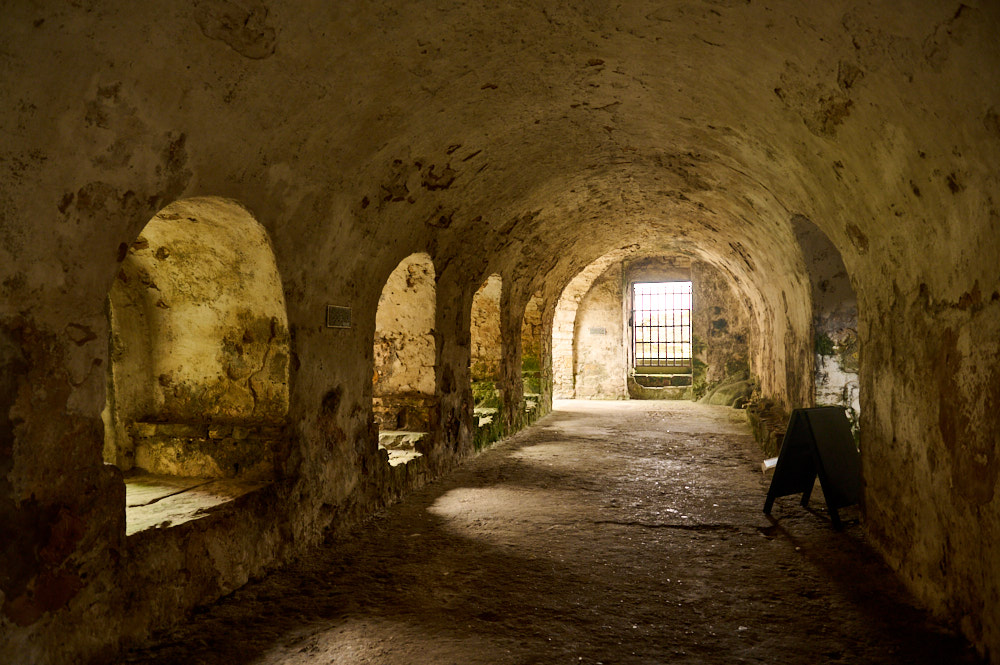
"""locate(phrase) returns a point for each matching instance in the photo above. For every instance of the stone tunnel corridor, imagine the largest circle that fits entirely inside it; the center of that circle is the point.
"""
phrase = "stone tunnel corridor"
(609, 532)
(278, 275)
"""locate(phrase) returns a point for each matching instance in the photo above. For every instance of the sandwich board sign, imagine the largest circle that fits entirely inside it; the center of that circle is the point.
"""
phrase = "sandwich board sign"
(818, 442)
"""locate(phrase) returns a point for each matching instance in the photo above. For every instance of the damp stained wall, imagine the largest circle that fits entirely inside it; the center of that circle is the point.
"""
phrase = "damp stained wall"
(198, 334)
(487, 344)
(835, 320)
(361, 133)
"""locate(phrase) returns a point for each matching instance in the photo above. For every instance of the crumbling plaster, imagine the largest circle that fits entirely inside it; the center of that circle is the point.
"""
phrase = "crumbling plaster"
(599, 340)
(532, 140)
(199, 333)
(484, 326)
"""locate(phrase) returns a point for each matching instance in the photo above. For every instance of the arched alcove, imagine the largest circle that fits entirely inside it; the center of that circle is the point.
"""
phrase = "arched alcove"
(485, 358)
(197, 383)
(487, 346)
(564, 322)
(403, 380)
(835, 321)
(622, 328)
(531, 353)
(600, 338)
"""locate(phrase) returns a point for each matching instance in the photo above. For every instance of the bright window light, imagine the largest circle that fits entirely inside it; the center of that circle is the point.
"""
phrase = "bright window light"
(661, 324)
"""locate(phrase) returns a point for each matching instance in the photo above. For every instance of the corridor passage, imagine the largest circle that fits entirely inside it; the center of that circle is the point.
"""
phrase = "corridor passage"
(609, 532)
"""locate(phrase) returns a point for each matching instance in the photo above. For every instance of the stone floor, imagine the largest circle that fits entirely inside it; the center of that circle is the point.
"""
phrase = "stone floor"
(609, 532)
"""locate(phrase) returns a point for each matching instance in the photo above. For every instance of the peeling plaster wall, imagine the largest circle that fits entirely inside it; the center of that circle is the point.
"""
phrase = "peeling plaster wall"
(599, 354)
(198, 330)
(835, 320)
(721, 323)
(361, 133)
(487, 345)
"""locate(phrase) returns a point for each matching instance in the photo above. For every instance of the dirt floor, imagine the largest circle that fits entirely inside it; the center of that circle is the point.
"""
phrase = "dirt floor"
(609, 532)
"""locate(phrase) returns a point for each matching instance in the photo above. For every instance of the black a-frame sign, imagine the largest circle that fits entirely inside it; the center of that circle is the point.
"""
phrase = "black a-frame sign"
(818, 442)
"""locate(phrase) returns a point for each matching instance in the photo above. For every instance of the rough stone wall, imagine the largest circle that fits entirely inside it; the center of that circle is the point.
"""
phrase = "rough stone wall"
(532, 326)
(536, 356)
(720, 324)
(835, 320)
(652, 269)
(360, 133)
(599, 354)
(198, 328)
(487, 345)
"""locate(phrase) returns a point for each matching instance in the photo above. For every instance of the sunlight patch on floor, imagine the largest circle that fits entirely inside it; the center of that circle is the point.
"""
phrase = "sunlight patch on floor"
(370, 639)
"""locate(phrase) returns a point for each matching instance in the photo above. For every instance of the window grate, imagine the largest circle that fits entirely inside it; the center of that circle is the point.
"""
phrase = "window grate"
(661, 324)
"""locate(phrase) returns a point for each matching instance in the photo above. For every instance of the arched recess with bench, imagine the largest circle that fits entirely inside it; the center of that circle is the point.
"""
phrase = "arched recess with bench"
(197, 384)
(403, 381)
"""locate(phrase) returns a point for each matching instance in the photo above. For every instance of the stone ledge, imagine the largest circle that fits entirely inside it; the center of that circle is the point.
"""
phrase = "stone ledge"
(484, 415)
(401, 445)
(401, 439)
(159, 501)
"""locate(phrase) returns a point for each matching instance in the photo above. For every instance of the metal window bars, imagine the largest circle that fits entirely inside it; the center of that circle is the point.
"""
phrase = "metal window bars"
(661, 324)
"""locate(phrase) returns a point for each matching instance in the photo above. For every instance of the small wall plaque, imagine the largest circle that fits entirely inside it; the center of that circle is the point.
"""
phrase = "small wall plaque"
(598, 331)
(338, 317)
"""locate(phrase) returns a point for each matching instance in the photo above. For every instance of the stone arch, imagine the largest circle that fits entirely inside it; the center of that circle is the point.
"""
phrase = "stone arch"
(531, 346)
(564, 322)
(197, 383)
(777, 327)
(603, 353)
(835, 321)
(403, 380)
(486, 358)
(487, 345)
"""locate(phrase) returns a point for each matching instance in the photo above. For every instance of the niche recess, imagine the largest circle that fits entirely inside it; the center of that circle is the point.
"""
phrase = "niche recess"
(835, 321)
(531, 354)
(197, 386)
(486, 355)
(403, 381)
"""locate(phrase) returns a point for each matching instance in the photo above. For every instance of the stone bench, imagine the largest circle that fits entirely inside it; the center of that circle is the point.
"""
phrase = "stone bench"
(401, 445)
(157, 501)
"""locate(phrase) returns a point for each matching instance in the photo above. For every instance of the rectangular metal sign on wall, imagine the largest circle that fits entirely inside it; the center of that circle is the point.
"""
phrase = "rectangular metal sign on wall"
(338, 317)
